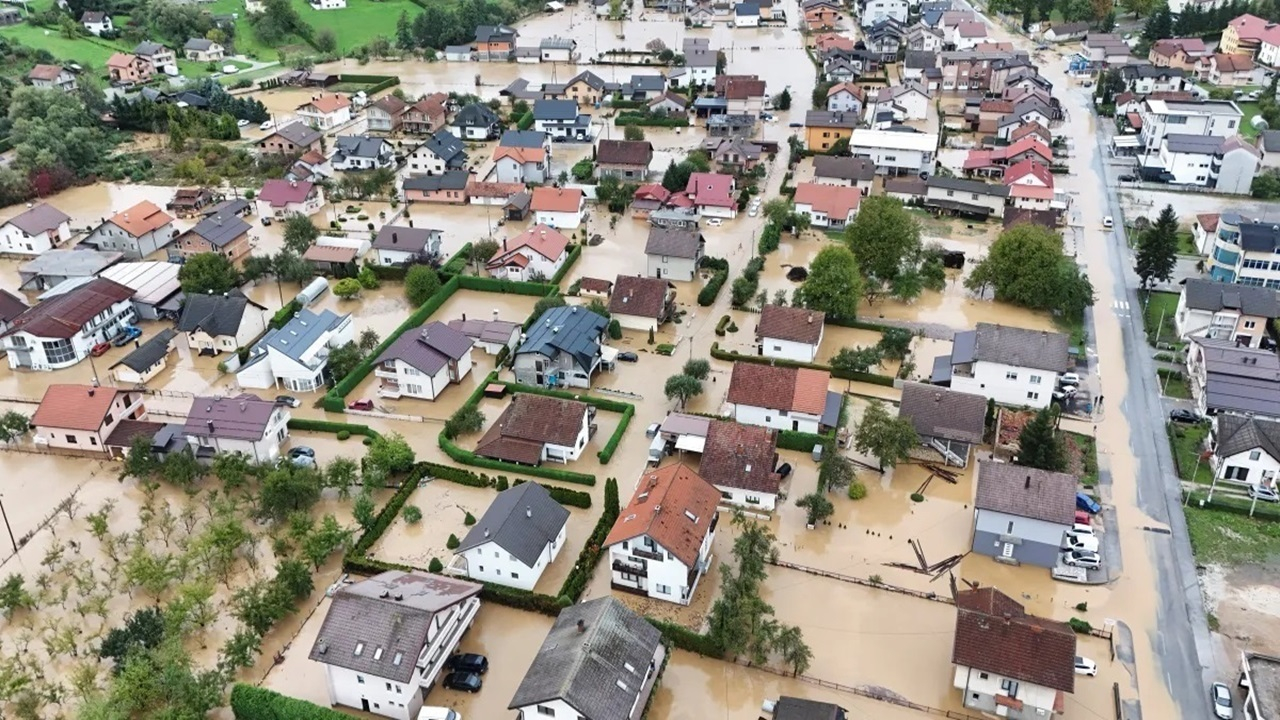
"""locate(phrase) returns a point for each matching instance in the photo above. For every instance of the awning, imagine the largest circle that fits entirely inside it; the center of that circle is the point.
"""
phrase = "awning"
(1125, 141)
(692, 443)
(609, 355)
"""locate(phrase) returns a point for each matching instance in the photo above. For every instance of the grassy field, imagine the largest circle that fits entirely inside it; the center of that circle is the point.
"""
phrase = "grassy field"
(1222, 536)
(1174, 384)
(246, 43)
(359, 22)
(1250, 109)
(79, 50)
(1187, 441)
(1187, 243)
(1158, 304)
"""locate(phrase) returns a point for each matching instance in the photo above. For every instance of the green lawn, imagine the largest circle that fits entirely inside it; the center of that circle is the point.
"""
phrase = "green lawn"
(1187, 243)
(359, 22)
(1173, 384)
(245, 43)
(79, 50)
(1160, 304)
(1187, 442)
(1227, 537)
(1088, 450)
(1250, 109)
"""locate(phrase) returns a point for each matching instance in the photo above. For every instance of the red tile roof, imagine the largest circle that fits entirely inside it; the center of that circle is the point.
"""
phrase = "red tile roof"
(529, 422)
(545, 241)
(63, 316)
(284, 192)
(639, 296)
(1233, 63)
(672, 505)
(1208, 221)
(595, 285)
(74, 407)
(775, 387)
(652, 191)
(994, 634)
(712, 189)
(742, 89)
(1252, 27)
(1031, 168)
(835, 200)
(327, 103)
(45, 72)
(519, 154)
(789, 323)
(553, 199)
(141, 219)
(624, 152)
(740, 456)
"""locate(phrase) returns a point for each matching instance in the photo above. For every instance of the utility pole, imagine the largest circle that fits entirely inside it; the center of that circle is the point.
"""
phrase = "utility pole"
(6, 527)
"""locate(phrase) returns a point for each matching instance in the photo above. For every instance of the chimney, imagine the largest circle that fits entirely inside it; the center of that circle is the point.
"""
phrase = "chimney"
(582, 625)
(1027, 485)
(1008, 619)
(90, 392)
(810, 318)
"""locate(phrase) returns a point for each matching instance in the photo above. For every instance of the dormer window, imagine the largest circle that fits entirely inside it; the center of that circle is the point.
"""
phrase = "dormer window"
(359, 649)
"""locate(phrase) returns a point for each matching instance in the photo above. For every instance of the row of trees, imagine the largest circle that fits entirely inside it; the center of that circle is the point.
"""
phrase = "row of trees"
(1195, 19)
(438, 25)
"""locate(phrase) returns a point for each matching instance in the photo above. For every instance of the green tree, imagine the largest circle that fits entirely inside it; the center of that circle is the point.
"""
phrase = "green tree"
(615, 330)
(391, 454)
(1026, 266)
(13, 425)
(783, 101)
(546, 303)
(420, 283)
(817, 507)
(342, 473)
(795, 653)
(324, 540)
(286, 488)
(347, 288)
(142, 630)
(239, 651)
(364, 511)
(1159, 23)
(368, 279)
(676, 177)
(1158, 249)
(1039, 445)
(834, 284)
(481, 252)
(682, 388)
(885, 238)
(633, 132)
(836, 471)
(583, 169)
(368, 340)
(326, 41)
(210, 273)
(293, 577)
(1140, 7)
(1266, 186)
(857, 360)
(895, 343)
(231, 468)
(181, 468)
(886, 437)
(140, 462)
(466, 420)
(697, 368)
(343, 359)
(299, 233)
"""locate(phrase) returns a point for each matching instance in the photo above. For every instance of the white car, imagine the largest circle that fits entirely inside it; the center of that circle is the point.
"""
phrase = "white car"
(267, 125)
(438, 713)
(1085, 666)
(1080, 529)
(1081, 542)
(1069, 379)
(1221, 697)
(715, 222)
(1082, 558)
(242, 123)
(1107, 222)
(753, 211)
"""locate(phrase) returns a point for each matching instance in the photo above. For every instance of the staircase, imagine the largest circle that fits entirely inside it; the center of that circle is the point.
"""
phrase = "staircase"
(952, 458)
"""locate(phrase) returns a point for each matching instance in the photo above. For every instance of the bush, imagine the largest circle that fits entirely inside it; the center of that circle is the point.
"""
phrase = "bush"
(367, 441)
(455, 474)
(344, 434)
(255, 703)
(665, 349)
(576, 582)
(720, 275)
(611, 447)
(857, 491)
(801, 441)
(724, 323)
(1081, 626)
(469, 520)
(1082, 607)
(420, 284)
(565, 496)
(434, 566)
(502, 483)
(615, 330)
(917, 497)
(685, 639)
(453, 542)
(412, 514)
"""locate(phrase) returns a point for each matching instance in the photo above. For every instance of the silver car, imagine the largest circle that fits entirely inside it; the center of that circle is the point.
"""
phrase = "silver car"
(1221, 698)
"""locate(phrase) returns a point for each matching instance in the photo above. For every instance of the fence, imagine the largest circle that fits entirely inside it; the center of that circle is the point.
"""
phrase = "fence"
(932, 596)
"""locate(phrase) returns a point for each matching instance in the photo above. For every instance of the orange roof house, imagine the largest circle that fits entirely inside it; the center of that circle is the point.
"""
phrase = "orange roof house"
(832, 206)
(786, 398)
(137, 232)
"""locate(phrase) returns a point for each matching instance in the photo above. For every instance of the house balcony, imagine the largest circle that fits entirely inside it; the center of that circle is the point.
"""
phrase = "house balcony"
(385, 372)
(637, 569)
(649, 554)
(390, 390)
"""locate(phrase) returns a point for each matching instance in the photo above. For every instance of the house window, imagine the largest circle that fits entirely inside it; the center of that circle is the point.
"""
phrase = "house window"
(662, 589)
(1033, 395)
(360, 679)
(544, 710)
(1010, 530)
(1010, 687)
(1248, 325)
(753, 499)
(1253, 455)
(515, 576)
(388, 687)
(94, 441)
(481, 567)
(1035, 379)
(1010, 375)
(983, 676)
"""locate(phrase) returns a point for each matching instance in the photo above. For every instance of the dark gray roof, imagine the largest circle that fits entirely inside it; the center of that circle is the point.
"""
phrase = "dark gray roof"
(200, 44)
(555, 110)
(221, 229)
(399, 237)
(522, 520)
(41, 218)
(1244, 380)
(11, 306)
(445, 145)
(921, 59)
(654, 83)
(523, 139)
(844, 168)
(475, 115)
(1026, 492)
(149, 352)
(146, 47)
(794, 708)
(360, 146)
(1215, 296)
(1242, 433)
(429, 349)
(746, 9)
(1196, 144)
(968, 186)
(450, 180)
(1135, 71)
(243, 417)
(942, 413)
(299, 334)
(675, 242)
(572, 330)
(1260, 237)
(214, 314)
(587, 668)
(591, 79)
(234, 206)
(822, 118)
(298, 134)
(387, 618)
(1070, 28)
(487, 33)
(1269, 140)
(1035, 349)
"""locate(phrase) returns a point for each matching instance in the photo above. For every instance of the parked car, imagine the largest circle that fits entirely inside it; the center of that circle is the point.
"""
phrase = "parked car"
(301, 450)
(715, 222)
(438, 713)
(1221, 698)
(1266, 494)
(360, 405)
(1082, 558)
(130, 333)
(464, 681)
(754, 211)
(242, 123)
(1086, 503)
(628, 357)
(100, 348)
(795, 124)
(1083, 518)
(1069, 379)
(1183, 415)
(1081, 542)
(289, 400)
(1085, 666)
(652, 431)
(1081, 529)
(1107, 222)
(468, 662)
(266, 221)
(267, 125)
(784, 470)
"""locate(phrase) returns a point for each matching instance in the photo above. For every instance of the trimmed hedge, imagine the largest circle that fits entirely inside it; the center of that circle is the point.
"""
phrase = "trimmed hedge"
(795, 440)
(565, 496)
(388, 272)
(377, 83)
(512, 287)
(610, 447)
(520, 599)
(643, 120)
(469, 458)
(594, 548)
(871, 378)
(284, 315)
(387, 515)
(856, 323)
(255, 703)
(574, 253)
(707, 295)
(456, 264)
(331, 427)
(616, 406)
(724, 323)
(685, 639)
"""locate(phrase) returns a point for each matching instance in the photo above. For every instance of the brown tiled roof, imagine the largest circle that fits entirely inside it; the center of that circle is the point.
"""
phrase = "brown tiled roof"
(45, 72)
(552, 199)
(391, 105)
(624, 152)
(740, 456)
(994, 634)
(598, 285)
(1026, 492)
(789, 323)
(529, 422)
(243, 417)
(742, 89)
(722, 81)
(942, 413)
(11, 306)
(74, 407)
(641, 296)
(1208, 221)
(779, 388)
(541, 239)
(1233, 63)
(127, 430)
(836, 201)
(141, 219)
(64, 315)
(330, 253)
(327, 103)
(672, 505)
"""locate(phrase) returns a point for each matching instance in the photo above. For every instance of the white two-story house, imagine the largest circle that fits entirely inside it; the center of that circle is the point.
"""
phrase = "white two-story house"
(783, 398)
(385, 640)
(1012, 366)
(563, 348)
(294, 356)
(1239, 313)
(661, 541)
(78, 419)
(400, 244)
(362, 152)
(790, 333)
(561, 119)
(1246, 450)
(515, 540)
(63, 330)
(422, 363)
(35, 231)
(243, 424)
(537, 428)
(214, 324)
(536, 253)
(136, 232)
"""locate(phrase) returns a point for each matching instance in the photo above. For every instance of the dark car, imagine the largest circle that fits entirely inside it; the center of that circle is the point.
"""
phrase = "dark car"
(784, 470)
(1184, 416)
(468, 662)
(628, 357)
(300, 451)
(289, 400)
(1128, 178)
(465, 681)
(266, 221)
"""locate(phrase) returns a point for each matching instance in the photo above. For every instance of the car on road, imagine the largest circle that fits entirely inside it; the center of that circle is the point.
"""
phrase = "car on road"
(130, 333)
(289, 400)
(468, 662)
(99, 349)
(360, 405)
(1182, 415)
(795, 124)
(1082, 558)
(1107, 222)
(1080, 542)
(754, 211)
(266, 222)
(1085, 666)
(267, 125)
(464, 681)
(1266, 494)
(438, 713)
(1087, 504)
(715, 222)
(1221, 697)
(628, 357)
(242, 123)
(1128, 178)
(1069, 379)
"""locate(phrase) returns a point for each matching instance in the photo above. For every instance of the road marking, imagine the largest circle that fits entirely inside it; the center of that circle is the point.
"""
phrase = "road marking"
(1120, 304)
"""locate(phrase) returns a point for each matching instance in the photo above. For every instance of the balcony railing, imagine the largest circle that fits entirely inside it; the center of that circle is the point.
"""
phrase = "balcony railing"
(630, 569)
(640, 552)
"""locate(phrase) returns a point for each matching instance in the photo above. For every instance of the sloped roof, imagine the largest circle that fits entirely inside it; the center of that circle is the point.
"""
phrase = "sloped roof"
(624, 152)
(640, 296)
(298, 133)
(1019, 347)
(673, 242)
(674, 507)
(585, 658)
(215, 314)
(45, 72)
(444, 145)
(63, 316)
(994, 634)
(553, 199)
(779, 388)
(243, 417)
(942, 413)
(391, 105)
(400, 237)
(489, 331)
(141, 219)
(541, 239)
(522, 520)
(1214, 296)
(429, 349)
(279, 193)
(568, 329)
(363, 146)
(327, 103)
(220, 230)
(41, 218)
(794, 708)
(149, 352)
(528, 423)
(1026, 492)
(74, 407)
(791, 323)
(448, 180)
(1243, 433)
(11, 306)
(836, 201)
(740, 456)
(843, 168)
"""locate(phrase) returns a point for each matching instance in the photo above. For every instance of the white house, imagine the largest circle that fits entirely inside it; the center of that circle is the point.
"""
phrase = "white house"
(137, 232)
(895, 153)
(661, 542)
(398, 244)
(783, 398)
(790, 333)
(521, 164)
(1009, 663)
(539, 251)
(385, 640)
(713, 194)
(1021, 514)
(214, 324)
(1227, 378)
(1012, 366)
(908, 101)
(79, 419)
(561, 119)
(561, 208)
(439, 153)
(674, 253)
(536, 428)
(519, 535)
(699, 69)
(599, 661)
(846, 97)
(1221, 118)
(1246, 449)
(35, 231)
(281, 198)
(61, 331)
(295, 355)
(827, 206)
(740, 461)
(361, 152)
(475, 122)
(875, 11)
(1226, 165)
(641, 303)
(1225, 311)
(97, 22)
(245, 424)
(326, 111)
(422, 363)
(563, 348)
(146, 361)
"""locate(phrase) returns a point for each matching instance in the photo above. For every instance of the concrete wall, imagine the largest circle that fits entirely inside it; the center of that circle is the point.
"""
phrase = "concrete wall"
(778, 419)
(1035, 542)
(788, 349)
(671, 268)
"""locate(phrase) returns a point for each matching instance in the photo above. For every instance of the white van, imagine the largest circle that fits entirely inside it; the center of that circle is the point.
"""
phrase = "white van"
(438, 713)
(657, 449)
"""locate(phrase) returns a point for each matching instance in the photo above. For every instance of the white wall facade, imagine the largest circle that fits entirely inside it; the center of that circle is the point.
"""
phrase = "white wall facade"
(1254, 467)
(749, 499)
(980, 689)
(14, 240)
(110, 236)
(413, 383)
(635, 322)
(490, 563)
(777, 419)
(558, 220)
(672, 268)
(264, 449)
(789, 349)
(876, 10)
(665, 579)
(25, 350)
(565, 453)
(549, 709)
(844, 101)
(1007, 384)
(325, 121)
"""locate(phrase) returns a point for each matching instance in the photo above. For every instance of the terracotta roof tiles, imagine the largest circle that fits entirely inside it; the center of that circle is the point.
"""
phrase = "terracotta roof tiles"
(674, 506)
